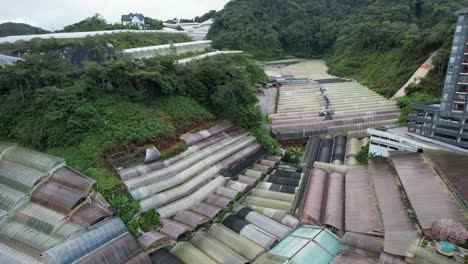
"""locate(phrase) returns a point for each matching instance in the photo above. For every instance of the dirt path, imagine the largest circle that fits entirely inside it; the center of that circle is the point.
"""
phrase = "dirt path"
(417, 76)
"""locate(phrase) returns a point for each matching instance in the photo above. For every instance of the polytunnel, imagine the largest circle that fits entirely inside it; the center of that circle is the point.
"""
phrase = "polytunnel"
(188, 254)
(250, 231)
(217, 250)
(154, 240)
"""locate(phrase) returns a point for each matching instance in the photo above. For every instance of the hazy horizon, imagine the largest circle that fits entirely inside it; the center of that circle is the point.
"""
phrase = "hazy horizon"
(55, 14)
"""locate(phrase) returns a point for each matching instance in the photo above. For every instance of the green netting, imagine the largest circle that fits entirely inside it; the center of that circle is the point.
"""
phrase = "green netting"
(19, 177)
(33, 159)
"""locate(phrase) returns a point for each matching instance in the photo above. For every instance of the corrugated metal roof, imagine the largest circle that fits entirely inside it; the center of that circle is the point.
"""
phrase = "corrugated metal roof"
(400, 232)
(427, 194)
(364, 242)
(361, 212)
(452, 168)
(347, 257)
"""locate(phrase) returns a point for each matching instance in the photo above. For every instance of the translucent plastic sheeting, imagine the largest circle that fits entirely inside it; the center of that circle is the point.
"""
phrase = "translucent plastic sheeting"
(280, 216)
(228, 192)
(162, 256)
(5, 145)
(308, 245)
(209, 210)
(216, 250)
(90, 213)
(79, 245)
(268, 163)
(236, 242)
(152, 241)
(189, 254)
(11, 199)
(269, 258)
(174, 229)
(236, 186)
(187, 174)
(250, 231)
(181, 190)
(72, 179)
(134, 172)
(353, 147)
(242, 155)
(273, 195)
(181, 165)
(206, 55)
(45, 220)
(190, 218)
(33, 159)
(167, 49)
(247, 180)
(218, 200)
(56, 196)
(263, 222)
(12, 256)
(75, 35)
(262, 168)
(192, 138)
(115, 251)
(19, 177)
(253, 174)
(265, 202)
(25, 238)
(191, 200)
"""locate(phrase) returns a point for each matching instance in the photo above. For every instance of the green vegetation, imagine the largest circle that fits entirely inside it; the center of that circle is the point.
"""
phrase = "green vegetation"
(96, 23)
(15, 29)
(363, 155)
(148, 220)
(83, 114)
(293, 154)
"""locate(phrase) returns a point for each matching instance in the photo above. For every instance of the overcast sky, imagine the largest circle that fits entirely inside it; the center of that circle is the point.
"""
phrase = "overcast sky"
(55, 14)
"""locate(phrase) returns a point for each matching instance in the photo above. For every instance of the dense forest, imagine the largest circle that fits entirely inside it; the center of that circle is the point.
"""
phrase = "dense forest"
(378, 42)
(84, 113)
(14, 29)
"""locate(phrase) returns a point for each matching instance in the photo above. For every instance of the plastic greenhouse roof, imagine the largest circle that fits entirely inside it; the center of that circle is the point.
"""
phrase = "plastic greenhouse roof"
(308, 245)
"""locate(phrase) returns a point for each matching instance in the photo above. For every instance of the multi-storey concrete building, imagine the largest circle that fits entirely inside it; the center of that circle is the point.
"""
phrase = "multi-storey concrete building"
(447, 120)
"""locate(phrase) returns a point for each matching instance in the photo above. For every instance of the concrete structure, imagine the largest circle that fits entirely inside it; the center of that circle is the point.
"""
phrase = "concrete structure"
(399, 139)
(197, 31)
(168, 49)
(447, 120)
(134, 19)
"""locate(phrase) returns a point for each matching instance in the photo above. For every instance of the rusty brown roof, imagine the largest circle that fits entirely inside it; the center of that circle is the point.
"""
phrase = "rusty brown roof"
(334, 204)
(400, 232)
(152, 241)
(453, 169)
(174, 229)
(57, 197)
(190, 218)
(90, 213)
(361, 212)
(73, 179)
(428, 195)
(206, 209)
(314, 196)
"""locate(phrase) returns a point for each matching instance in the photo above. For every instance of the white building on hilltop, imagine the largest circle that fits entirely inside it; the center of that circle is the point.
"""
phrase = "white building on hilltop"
(134, 19)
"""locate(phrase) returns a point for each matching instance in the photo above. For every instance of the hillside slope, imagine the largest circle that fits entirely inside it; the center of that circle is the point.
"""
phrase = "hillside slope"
(15, 29)
(378, 42)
